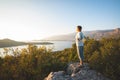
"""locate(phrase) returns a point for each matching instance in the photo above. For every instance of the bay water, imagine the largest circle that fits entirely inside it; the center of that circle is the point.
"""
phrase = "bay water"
(56, 46)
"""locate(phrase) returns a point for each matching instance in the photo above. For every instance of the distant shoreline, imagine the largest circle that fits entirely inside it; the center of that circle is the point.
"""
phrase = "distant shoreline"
(11, 43)
(53, 40)
(42, 43)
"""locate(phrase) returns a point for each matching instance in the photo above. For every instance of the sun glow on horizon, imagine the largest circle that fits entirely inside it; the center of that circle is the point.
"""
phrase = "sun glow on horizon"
(20, 23)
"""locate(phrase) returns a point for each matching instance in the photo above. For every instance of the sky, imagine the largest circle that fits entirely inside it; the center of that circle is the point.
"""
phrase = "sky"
(37, 19)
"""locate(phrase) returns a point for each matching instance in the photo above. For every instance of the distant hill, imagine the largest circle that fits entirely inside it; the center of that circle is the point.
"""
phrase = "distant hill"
(61, 37)
(96, 34)
(8, 43)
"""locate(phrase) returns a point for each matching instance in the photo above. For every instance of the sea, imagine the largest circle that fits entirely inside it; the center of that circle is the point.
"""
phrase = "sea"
(56, 46)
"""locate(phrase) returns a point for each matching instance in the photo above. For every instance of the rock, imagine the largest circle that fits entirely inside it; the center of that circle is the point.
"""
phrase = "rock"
(60, 75)
(74, 68)
(74, 72)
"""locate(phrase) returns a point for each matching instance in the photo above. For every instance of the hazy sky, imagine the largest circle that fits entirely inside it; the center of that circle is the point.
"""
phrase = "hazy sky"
(37, 19)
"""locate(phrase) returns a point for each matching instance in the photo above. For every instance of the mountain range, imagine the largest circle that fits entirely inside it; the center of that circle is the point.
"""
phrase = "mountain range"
(96, 34)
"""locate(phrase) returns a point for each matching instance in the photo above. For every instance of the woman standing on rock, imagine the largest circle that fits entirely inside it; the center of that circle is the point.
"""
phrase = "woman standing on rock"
(79, 44)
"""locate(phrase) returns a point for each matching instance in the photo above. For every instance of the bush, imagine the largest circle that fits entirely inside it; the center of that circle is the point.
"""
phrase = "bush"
(32, 63)
(106, 58)
(35, 63)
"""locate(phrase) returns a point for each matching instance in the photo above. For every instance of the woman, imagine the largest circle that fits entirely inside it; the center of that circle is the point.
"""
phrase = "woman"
(79, 44)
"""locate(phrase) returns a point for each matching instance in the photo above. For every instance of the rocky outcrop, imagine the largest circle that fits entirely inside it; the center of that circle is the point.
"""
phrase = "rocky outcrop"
(74, 72)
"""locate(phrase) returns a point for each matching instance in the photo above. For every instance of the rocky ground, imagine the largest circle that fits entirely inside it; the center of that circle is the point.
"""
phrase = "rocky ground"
(74, 72)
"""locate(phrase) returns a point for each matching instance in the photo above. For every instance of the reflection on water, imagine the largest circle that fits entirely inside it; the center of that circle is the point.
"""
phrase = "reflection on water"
(57, 46)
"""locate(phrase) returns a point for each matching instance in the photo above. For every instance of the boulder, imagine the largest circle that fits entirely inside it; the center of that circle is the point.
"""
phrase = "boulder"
(75, 72)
